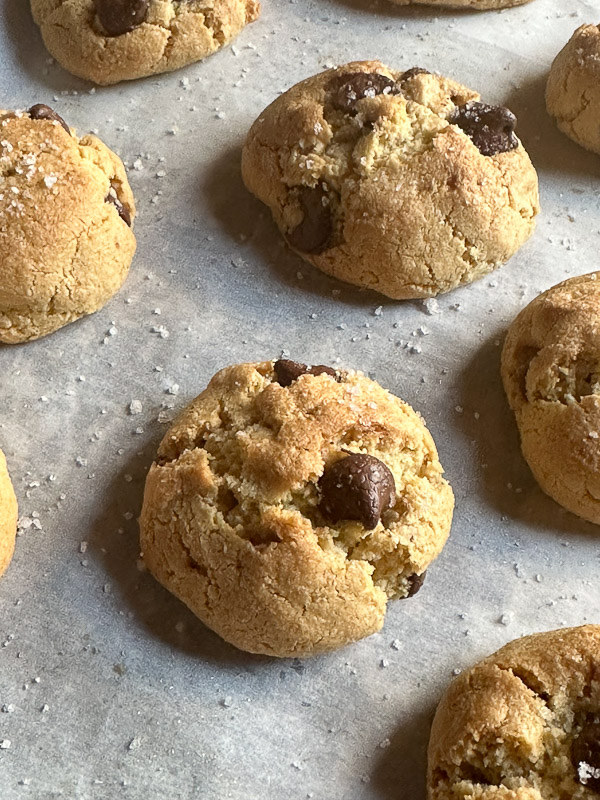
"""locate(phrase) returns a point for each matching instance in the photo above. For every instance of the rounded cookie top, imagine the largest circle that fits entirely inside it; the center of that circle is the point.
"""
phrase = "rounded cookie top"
(551, 374)
(288, 504)
(524, 724)
(400, 182)
(573, 88)
(8, 516)
(107, 41)
(66, 211)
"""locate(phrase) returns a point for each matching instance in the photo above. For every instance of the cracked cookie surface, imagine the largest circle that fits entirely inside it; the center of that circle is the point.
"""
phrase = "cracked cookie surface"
(92, 40)
(573, 88)
(239, 507)
(66, 209)
(551, 374)
(8, 516)
(522, 724)
(375, 177)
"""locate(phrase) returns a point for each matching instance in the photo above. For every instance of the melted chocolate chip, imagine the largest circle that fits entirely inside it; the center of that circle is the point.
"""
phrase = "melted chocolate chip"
(411, 73)
(121, 16)
(113, 198)
(41, 111)
(348, 89)
(491, 128)
(415, 582)
(312, 235)
(585, 755)
(358, 487)
(286, 371)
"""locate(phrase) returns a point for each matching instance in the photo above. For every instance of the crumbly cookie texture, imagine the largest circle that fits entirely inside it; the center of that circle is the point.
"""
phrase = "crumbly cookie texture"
(66, 211)
(400, 182)
(8, 516)
(524, 724)
(107, 41)
(573, 88)
(477, 5)
(287, 505)
(551, 374)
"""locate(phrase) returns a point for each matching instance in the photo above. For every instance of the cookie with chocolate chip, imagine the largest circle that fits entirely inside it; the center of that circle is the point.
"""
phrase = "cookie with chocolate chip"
(551, 374)
(523, 724)
(8, 516)
(402, 182)
(289, 503)
(66, 212)
(107, 41)
(573, 88)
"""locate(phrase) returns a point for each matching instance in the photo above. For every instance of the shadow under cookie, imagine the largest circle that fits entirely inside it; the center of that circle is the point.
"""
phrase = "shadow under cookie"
(115, 544)
(423, 11)
(29, 49)
(505, 479)
(400, 770)
(246, 220)
(551, 151)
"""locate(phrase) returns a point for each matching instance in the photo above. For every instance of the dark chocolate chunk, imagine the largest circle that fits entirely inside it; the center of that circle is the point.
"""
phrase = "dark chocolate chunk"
(312, 235)
(113, 198)
(411, 73)
(121, 16)
(585, 755)
(415, 582)
(41, 111)
(491, 128)
(358, 487)
(348, 89)
(286, 371)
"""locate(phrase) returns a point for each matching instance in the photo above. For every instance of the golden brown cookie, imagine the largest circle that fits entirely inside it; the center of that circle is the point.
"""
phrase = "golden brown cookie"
(288, 504)
(107, 41)
(8, 516)
(402, 182)
(524, 724)
(573, 89)
(66, 212)
(551, 374)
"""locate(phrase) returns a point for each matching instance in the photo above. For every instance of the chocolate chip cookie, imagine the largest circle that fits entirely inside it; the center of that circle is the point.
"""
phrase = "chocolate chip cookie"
(107, 41)
(289, 503)
(66, 212)
(524, 724)
(573, 88)
(551, 374)
(402, 182)
(8, 516)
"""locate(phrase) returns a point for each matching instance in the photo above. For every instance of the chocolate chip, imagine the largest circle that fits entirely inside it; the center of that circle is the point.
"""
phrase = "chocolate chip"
(358, 487)
(585, 755)
(41, 111)
(348, 89)
(491, 128)
(415, 582)
(313, 234)
(113, 198)
(411, 73)
(286, 371)
(121, 16)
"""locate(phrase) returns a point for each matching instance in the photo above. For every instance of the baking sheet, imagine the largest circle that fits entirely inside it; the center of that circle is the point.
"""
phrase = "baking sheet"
(108, 685)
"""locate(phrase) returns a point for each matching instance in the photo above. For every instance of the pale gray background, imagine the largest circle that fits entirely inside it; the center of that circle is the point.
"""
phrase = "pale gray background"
(143, 701)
